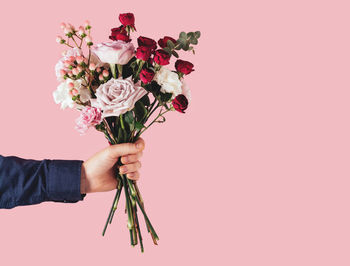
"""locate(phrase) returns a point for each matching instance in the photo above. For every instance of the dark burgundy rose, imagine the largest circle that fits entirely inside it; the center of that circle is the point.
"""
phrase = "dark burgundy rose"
(143, 53)
(146, 75)
(144, 41)
(184, 67)
(119, 34)
(163, 42)
(161, 57)
(180, 103)
(127, 19)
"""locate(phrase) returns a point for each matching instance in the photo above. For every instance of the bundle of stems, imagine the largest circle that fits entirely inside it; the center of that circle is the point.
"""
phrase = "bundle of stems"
(133, 198)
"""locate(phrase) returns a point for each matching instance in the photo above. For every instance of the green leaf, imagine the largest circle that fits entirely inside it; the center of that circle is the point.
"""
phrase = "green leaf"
(194, 41)
(145, 100)
(186, 47)
(165, 97)
(197, 34)
(140, 110)
(139, 126)
(190, 34)
(175, 54)
(167, 49)
(170, 44)
(128, 117)
(153, 87)
(183, 35)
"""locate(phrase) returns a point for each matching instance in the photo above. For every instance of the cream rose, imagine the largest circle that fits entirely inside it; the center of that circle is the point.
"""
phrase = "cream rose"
(117, 96)
(169, 81)
(115, 52)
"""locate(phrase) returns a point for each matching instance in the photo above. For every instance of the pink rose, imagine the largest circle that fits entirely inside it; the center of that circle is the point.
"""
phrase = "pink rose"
(114, 52)
(89, 117)
(117, 96)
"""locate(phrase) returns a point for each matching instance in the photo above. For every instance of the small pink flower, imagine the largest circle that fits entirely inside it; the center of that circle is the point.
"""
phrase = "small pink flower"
(92, 67)
(63, 72)
(71, 85)
(80, 69)
(79, 59)
(75, 71)
(86, 23)
(100, 77)
(59, 39)
(63, 25)
(105, 73)
(89, 117)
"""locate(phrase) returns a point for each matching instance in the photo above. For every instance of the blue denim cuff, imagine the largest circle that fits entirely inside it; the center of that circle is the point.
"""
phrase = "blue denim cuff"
(63, 181)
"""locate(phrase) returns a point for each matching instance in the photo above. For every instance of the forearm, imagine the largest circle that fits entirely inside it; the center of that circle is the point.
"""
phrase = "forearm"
(26, 182)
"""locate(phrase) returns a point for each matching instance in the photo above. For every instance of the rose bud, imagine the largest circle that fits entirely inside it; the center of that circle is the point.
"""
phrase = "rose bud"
(161, 57)
(180, 103)
(127, 19)
(92, 66)
(184, 67)
(70, 73)
(146, 75)
(98, 69)
(144, 41)
(74, 92)
(79, 59)
(63, 73)
(143, 53)
(59, 39)
(119, 34)
(105, 73)
(100, 77)
(75, 71)
(163, 42)
(71, 85)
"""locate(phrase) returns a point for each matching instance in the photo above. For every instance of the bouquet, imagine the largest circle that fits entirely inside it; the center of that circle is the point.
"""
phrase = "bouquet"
(121, 91)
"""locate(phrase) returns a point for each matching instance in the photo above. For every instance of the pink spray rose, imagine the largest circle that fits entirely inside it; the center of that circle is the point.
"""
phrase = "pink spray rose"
(114, 52)
(89, 117)
(117, 96)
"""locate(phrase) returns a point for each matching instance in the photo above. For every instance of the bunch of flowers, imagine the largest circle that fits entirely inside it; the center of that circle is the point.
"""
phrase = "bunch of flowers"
(117, 88)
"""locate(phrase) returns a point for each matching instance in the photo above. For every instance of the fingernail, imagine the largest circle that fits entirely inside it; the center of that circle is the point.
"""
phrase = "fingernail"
(126, 159)
(131, 174)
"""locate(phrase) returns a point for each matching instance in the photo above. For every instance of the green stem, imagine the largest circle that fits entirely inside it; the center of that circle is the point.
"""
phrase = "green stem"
(114, 74)
(120, 70)
(110, 213)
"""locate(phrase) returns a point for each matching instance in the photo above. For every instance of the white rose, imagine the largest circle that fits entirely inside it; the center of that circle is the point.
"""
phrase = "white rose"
(114, 52)
(169, 81)
(63, 94)
(117, 96)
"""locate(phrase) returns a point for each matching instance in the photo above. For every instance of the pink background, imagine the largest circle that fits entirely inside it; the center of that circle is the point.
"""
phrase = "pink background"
(256, 172)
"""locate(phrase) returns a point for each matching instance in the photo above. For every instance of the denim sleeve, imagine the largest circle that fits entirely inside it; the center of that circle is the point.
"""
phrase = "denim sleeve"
(26, 182)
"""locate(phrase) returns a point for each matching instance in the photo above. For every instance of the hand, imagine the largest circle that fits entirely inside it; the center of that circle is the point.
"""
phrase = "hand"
(98, 172)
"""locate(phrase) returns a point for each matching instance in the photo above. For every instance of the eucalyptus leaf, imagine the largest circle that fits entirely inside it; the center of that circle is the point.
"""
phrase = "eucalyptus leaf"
(167, 49)
(194, 41)
(175, 54)
(183, 35)
(170, 44)
(197, 34)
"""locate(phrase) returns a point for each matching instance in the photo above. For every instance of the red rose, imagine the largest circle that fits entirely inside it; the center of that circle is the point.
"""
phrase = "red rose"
(161, 57)
(146, 75)
(127, 19)
(163, 42)
(144, 41)
(180, 103)
(143, 53)
(184, 67)
(119, 34)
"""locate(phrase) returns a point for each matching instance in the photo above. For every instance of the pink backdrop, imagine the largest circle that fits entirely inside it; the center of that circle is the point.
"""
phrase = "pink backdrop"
(256, 172)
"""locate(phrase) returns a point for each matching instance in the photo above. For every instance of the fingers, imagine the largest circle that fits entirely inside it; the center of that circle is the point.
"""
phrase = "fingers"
(115, 151)
(133, 176)
(130, 168)
(131, 158)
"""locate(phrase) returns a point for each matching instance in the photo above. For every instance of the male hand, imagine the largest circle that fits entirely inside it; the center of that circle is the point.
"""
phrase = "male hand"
(99, 171)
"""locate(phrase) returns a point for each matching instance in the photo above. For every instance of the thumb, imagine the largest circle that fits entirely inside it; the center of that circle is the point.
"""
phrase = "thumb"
(115, 151)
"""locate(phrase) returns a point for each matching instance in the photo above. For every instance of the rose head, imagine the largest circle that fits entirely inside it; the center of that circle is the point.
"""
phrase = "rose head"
(180, 103)
(163, 42)
(161, 57)
(114, 52)
(146, 75)
(147, 42)
(143, 53)
(184, 67)
(119, 34)
(117, 96)
(127, 19)
(169, 81)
